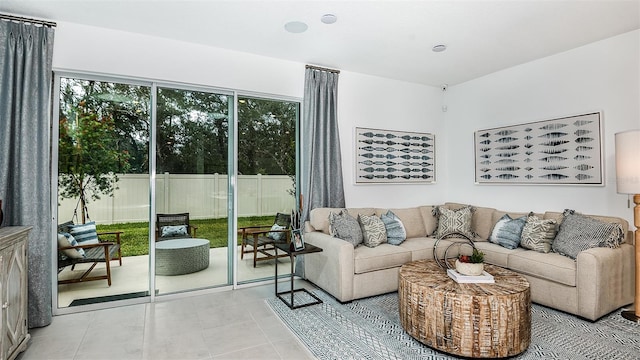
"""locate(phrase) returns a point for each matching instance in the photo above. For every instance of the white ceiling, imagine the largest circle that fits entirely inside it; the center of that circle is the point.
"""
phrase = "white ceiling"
(385, 38)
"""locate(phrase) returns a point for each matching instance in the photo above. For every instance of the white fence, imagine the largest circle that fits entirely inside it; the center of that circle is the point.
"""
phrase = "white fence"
(202, 196)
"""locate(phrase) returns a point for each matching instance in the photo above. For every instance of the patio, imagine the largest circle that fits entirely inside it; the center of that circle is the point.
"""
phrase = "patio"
(133, 277)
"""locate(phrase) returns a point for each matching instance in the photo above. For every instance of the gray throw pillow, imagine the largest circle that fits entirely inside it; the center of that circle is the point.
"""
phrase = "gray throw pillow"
(346, 227)
(507, 231)
(538, 234)
(453, 221)
(578, 232)
(373, 231)
(396, 232)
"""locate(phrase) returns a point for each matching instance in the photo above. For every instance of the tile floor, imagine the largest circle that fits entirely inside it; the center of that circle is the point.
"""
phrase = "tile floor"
(234, 324)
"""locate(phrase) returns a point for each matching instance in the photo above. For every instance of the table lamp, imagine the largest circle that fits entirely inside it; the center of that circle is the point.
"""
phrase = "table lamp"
(628, 182)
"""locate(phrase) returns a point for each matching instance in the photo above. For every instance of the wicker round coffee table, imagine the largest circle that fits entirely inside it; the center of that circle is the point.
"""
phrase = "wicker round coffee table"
(470, 320)
(181, 256)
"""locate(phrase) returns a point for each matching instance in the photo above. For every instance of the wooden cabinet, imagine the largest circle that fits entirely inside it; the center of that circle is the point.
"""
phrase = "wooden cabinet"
(13, 294)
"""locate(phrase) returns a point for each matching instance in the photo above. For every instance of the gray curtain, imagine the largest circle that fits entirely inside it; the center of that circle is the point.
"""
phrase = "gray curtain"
(25, 180)
(322, 164)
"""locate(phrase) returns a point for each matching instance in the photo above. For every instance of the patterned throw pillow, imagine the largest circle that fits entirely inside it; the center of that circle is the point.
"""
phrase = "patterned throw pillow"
(507, 231)
(578, 232)
(276, 235)
(346, 227)
(453, 221)
(538, 234)
(64, 240)
(85, 234)
(396, 232)
(173, 231)
(373, 230)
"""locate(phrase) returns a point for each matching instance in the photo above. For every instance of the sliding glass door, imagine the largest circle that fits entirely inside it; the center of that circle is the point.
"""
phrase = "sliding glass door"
(266, 182)
(103, 187)
(191, 187)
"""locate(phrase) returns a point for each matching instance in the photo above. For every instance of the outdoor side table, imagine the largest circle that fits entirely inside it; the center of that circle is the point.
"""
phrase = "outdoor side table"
(308, 249)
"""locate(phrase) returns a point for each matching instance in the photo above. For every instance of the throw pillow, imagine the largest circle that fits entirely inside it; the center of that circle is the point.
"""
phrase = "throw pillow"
(451, 222)
(373, 230)
(346, 227)
(173, 231)
(396, 232)
(65, 240)
(507, 231)
(538, 234)
(578, 232)
(276, 235)
(84, 233)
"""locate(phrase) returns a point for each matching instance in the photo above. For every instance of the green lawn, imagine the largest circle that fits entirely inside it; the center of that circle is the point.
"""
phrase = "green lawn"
(135, 237)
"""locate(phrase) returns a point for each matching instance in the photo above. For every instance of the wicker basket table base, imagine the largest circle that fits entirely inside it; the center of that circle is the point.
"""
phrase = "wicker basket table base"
(470, 320)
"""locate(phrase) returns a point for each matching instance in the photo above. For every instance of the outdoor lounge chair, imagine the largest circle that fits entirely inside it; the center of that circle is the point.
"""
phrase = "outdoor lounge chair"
(263, 238)
(72, 254)
(174, 226)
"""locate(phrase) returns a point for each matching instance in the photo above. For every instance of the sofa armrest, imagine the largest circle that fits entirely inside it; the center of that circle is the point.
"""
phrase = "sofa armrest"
(605, 280)
(333, 268)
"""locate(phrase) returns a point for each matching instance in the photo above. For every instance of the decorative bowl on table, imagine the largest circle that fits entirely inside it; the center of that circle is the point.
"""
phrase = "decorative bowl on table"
(471, 265)
(470, 269)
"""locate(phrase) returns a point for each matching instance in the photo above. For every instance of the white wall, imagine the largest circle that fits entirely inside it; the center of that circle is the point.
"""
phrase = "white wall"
(373, 102)
(602, 76)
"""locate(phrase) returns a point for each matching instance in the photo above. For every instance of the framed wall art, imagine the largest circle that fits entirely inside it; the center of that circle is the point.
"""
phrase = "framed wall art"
(387, 156)
(566, 150)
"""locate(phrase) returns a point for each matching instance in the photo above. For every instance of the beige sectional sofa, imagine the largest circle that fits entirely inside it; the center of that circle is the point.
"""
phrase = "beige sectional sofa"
(599, 281)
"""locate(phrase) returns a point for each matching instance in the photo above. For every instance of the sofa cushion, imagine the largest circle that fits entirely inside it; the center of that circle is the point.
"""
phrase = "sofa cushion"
(579, 232)
(420, 247)
(481, 221)
(453, 221)
(412, 221)
(346, 227)
(496, 254)
(507, 231)
(380, 257)
(429, 220)
(554, 267)
(373, 231)
(396, 232)
(538, 234)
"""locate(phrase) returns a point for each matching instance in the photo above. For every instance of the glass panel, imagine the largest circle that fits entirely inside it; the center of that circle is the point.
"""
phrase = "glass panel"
(266, 182)
(191, 240)
(103, 180)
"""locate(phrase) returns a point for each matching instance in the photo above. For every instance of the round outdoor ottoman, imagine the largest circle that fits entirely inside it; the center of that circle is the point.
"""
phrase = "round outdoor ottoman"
(181, 256)
(469, 320)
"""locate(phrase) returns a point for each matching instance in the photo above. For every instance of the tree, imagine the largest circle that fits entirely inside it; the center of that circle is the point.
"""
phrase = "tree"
(89, 156)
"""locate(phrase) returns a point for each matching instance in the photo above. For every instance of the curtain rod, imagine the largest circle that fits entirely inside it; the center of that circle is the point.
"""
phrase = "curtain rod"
(322, 69)
(27, 20)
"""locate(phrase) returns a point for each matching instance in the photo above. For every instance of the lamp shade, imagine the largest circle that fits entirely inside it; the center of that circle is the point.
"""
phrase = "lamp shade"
(628, 162)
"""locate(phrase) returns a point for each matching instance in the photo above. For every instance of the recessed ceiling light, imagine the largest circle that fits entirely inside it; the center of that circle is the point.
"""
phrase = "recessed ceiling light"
(296, 27)
(328, 18)
(439, 48)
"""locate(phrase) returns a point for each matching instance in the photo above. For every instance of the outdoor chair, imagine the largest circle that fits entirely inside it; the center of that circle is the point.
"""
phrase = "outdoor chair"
(262, 238)
(174, 226)
(93, 249)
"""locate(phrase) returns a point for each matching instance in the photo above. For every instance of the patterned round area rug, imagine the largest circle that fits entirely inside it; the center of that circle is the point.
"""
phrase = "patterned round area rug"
(370, 329)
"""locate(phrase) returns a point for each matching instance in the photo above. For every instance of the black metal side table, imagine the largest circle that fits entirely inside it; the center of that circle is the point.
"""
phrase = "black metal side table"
(308, 249)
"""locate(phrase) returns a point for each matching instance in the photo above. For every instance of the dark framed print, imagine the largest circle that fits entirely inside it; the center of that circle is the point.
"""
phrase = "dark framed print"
(565, 150)
(297, 239)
